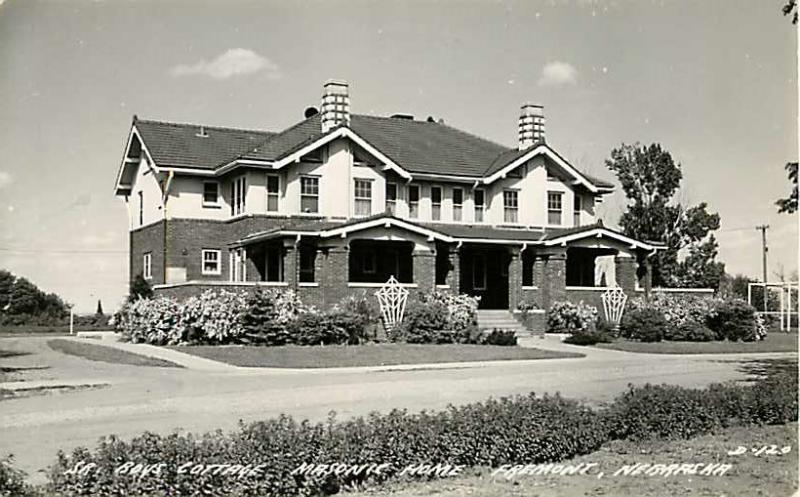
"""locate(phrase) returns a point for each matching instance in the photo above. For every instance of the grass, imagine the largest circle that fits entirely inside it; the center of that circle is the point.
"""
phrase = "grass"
(774, 342)
(57, 329)
(332, 356)
(106, 354)
(750, 475)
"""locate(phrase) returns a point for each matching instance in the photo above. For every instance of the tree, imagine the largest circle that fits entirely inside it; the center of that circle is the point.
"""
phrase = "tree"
(650, 178)
(99, 310)
(789, 204)
(790, 9)
(6, 285)
(139, 288)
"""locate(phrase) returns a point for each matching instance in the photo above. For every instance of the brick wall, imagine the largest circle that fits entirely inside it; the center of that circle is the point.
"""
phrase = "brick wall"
(147, 239)
(424, 270)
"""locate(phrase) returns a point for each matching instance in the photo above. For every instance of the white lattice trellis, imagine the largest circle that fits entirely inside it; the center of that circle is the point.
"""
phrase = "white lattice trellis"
(614, 300)
(392, 298)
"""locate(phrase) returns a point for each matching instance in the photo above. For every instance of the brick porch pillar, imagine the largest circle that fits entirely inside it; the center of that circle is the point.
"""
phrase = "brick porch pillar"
(291, 265)
(454, 273)
(514, 277)
(335, 275)
(424, 262)
(625, 269)
(251, 270)
(554, 278)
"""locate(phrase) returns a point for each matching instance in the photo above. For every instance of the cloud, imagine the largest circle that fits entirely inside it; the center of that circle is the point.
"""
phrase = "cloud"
(234, 62)
(558, 73)
(5, 179)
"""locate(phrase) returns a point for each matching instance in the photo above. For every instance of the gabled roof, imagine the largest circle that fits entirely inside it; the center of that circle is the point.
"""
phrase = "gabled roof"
(412, 147)
(178, 145)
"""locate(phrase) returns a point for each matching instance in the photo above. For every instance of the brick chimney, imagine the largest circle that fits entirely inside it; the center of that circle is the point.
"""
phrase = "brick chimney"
(531, 125)
(335, 108)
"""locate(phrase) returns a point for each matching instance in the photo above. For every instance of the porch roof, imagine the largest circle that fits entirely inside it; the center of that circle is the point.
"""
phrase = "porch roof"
(451, 233)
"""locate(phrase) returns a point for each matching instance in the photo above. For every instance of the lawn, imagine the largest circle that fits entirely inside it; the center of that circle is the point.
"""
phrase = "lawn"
(331, 356)
(773, 475)
(106, 354)
(775, 342)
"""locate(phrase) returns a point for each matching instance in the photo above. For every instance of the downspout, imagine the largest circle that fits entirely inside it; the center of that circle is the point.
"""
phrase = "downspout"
(164, 199)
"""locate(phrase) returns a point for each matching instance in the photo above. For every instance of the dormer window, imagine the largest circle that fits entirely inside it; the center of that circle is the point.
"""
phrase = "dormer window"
(480, 204)
(554, 208)
(576, 207)
(458, 201)
(391, 198)
(413, 201)
(273, 192)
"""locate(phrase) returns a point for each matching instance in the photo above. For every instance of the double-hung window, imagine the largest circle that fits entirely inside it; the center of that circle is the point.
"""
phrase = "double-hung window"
(458, 201)
(413, 201)
(479, 196)
(212, 263)
(391, 198)
(554, 208)
(273, 192)
(436, 203)
(363, 197)
(147, 266)
(238, 195)
(511, 206)
(576, 208)
(308, 257)
(309, 194)
(210, 194)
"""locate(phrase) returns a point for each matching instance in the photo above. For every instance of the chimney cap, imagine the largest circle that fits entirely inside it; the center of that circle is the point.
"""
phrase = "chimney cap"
(336, 82)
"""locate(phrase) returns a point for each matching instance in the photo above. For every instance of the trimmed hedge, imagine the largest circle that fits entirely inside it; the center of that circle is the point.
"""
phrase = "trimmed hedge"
(647, 325)
(514, 430)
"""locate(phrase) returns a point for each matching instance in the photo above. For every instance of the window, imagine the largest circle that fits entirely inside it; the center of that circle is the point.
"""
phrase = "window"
(141, 208)
(368, 263)
(458, 200)
(147, 266)
(363, 197)
(576, 208)
(238, 192)
(511, 206)
(211, 261)
(238, 265)
(273, 264)
(308, 256)
(436, 203)
(273, 192)
(480, 204)
(554, 208)
(391, 198)
(309, 194)
(210, 194)
(413, 201)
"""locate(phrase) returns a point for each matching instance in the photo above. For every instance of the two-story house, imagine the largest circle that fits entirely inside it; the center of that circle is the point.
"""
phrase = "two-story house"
(340, 202)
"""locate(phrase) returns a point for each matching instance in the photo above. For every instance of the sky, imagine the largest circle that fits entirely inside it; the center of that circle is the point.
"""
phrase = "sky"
(715, 82)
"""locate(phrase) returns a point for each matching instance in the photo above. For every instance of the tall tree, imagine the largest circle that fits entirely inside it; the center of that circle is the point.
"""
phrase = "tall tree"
(790, 9)
(140, 288)
(789, 204)
(650, 178)
(99, 310)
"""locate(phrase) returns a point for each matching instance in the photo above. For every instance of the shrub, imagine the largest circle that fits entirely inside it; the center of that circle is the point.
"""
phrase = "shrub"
(589, 337)
(366, 308)
(677, 309)
(425, 322)
(566, 317)
(462, 310)
(734, 320)
(646, 325)
(153, 321)
(690, 331)
(213, 317)
(499, 337)
(12, 480)
(667, 411)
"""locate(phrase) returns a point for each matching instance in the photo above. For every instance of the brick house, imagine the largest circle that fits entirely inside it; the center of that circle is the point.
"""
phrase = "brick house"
(340, 202)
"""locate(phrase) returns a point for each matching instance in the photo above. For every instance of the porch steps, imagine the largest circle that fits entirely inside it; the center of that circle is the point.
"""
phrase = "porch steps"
(488, 319)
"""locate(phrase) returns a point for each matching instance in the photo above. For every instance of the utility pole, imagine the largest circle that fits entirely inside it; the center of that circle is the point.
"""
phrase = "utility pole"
(763, 228)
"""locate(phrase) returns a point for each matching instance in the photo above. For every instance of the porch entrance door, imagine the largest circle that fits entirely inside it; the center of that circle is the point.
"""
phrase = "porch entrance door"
(485, 275)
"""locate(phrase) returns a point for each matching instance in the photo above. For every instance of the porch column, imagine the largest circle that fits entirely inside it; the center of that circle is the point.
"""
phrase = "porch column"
(250, 267)
(337, 271)
(454, 273)
(291, 265)
(424, 261)
(625, 269)
(514, 277)
(554, 278)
